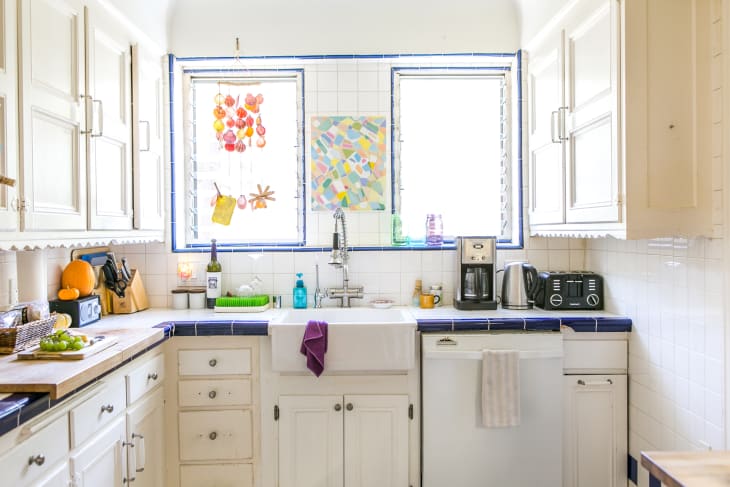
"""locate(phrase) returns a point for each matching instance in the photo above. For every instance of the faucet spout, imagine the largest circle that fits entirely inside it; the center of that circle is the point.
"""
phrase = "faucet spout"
(339, 259)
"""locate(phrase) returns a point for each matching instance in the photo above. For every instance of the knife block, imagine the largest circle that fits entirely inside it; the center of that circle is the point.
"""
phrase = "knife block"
(135, 297)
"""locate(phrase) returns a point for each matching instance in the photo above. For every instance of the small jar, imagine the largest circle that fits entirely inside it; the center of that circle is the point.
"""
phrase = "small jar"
(196, 298)
(179, 298)
(437, 294)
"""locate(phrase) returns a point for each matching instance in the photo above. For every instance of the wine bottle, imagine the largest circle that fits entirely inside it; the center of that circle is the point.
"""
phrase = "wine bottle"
(213, 277)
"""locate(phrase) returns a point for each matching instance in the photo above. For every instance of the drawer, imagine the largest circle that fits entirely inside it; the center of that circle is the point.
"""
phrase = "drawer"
(98, 410)
(215, 435)
(145, 377)
(595, 356)
(229, 361)
(47, 447)
(221, 475)
(220, 392)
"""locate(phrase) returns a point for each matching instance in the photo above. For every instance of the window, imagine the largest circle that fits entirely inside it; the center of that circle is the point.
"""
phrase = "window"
(453, 142)
(239, 168)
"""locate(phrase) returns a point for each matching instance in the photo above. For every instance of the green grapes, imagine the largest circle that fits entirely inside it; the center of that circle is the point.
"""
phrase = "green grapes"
(61, 341)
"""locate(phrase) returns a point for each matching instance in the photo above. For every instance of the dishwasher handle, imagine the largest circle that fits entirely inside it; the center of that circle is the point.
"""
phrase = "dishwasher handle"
(478, 355)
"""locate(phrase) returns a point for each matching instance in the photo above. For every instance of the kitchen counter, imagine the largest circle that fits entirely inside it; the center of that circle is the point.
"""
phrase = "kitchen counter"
(688, 469)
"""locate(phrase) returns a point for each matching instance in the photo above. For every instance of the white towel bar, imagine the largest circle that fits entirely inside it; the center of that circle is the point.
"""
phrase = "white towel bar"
(477, 355)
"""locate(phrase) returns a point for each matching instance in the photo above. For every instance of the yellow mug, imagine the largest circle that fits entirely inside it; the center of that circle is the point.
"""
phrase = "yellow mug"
(428, 301)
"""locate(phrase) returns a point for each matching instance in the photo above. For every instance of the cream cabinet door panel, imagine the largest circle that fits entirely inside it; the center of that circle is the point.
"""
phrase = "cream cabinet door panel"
(148, 147)
(109, 88)
(60, 477)
(595, 430)
(376, 441)
(216, 435)
(546, 169)
(145, 431)
(311, 441)
(103, 460)
(8, 113)
(591, 83)
(53, 173)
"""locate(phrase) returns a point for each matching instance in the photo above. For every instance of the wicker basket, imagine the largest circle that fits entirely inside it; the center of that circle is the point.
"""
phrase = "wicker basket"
(26, 335)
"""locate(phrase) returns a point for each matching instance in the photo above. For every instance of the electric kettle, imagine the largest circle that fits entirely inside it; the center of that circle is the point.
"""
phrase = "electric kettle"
(519, 284)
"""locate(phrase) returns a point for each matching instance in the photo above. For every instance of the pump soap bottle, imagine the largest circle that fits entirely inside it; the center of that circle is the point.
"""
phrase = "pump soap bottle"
(300, 293)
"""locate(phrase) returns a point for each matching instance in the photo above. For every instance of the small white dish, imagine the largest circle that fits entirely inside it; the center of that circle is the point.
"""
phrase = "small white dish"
(382, 303)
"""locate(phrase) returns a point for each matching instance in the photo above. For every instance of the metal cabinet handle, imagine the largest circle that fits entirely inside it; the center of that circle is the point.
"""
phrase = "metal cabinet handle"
(562, 132)
(554, 119)
(140, 452)
(213, 435)
(338, 407)
(147, 123)
(87, 116)
(581, 382)
(108, 408)
(212, 394)
(349, 406)
(101, 118)
(152, 376)
(212, 362)
(37, 460)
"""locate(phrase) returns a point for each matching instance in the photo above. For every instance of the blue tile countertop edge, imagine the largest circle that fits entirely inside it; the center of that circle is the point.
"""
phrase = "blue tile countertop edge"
(578, 324)
(215, 328)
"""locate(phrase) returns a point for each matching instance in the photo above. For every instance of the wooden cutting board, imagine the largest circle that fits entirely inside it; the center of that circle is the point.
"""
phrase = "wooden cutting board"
(100, 343)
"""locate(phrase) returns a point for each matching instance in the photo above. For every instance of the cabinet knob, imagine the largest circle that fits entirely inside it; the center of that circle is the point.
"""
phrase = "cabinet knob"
(338, 407)
(212, 362)
(213, 435)
(212, 394)
(152, 375)
(108, 408)
(37, 460)
(349, 406)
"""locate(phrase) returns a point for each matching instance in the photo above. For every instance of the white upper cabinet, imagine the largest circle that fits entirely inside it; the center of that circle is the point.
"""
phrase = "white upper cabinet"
(619, 120)
(8, 113)
(53, 172)
(109, 104)
(148, 140)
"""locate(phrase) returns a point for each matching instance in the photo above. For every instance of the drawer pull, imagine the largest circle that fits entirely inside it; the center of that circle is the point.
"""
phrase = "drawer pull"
(581, 382)
(212, 362)
(349, 406)
(152, 376)
(108, 408)
(338, 407)
(212, 394)
(213, 435)
(37, 460)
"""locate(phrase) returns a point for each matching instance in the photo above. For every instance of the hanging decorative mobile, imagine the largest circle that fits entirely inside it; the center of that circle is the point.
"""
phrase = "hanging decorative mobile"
(258, 200)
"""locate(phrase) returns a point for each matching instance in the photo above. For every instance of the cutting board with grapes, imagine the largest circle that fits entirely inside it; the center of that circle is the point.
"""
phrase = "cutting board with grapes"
(94, 345)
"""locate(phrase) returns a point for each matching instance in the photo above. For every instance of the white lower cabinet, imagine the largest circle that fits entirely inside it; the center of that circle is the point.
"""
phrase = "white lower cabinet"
(102, 460)
(595, 418)
(350, 441)
(146, 439)
(213, 432)
(57, 478)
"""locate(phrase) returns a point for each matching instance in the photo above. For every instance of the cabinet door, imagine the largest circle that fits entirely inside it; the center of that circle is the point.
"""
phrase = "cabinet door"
(376, 441)
(146, 438)
(595, 430)
(60, 477)
(8, 112)
(109, 87)
(547, 170)
(310, 441)
(591, 89)
(148, 148)
(103, 460)
(53, 151)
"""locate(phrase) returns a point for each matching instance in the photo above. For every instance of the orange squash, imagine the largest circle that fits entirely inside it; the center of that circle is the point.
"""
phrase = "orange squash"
(68, 294)
(80, 275)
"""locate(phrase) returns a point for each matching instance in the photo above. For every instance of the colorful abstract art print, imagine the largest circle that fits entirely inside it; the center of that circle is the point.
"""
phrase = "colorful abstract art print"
(348, 163)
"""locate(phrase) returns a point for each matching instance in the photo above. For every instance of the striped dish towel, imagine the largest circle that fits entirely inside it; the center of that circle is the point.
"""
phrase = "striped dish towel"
(500, 388)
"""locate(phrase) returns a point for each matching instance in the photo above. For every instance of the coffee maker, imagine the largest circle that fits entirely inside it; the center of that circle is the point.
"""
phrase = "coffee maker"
(475, 263)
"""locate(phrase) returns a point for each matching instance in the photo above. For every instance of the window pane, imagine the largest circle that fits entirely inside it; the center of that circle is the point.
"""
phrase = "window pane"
(239, 174)
(451, 153)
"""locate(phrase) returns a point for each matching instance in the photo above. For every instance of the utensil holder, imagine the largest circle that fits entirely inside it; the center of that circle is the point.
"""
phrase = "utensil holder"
(135, 296)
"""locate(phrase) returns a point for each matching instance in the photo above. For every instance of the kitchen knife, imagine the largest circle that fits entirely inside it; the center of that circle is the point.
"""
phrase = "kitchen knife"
(126, 275)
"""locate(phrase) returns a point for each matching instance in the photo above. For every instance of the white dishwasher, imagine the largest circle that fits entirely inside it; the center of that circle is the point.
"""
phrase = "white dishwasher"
(457, 450)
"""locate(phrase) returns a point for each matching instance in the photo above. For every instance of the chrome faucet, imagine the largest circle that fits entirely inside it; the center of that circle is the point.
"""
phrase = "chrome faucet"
(339, 259)
(318, 294)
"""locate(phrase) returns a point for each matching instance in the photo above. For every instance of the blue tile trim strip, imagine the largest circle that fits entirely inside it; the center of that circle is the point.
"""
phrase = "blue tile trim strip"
(633, 470)
(654, 482)
(488, 324)
(215, 328)
(599, 324)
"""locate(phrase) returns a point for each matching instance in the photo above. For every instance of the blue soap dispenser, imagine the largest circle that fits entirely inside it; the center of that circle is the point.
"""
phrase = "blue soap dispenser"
(300, 293)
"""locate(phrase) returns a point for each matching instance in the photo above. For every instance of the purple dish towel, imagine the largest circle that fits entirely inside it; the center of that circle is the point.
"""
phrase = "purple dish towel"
(314, 345)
